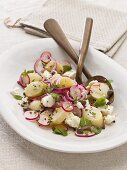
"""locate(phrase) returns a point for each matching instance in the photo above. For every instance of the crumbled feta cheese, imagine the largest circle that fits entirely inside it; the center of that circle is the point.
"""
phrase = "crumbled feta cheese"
(106, 101)
(88, 104)
(72, 120)
(106, 110)
(79, 105)
(109, 119)
(71, 74)
(15, 91)
(48, 101)
(91, 83)
(25, 99)
(46, 75)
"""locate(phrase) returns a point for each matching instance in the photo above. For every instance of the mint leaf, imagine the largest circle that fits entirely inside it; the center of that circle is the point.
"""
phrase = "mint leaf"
(96, 130)
(17, 97)
(60, 131)
(30, 71)
(54, 86)
(67, 68)
(110, 81)
(100, 102)
(85, 122)
(55, 96)
(25, 73)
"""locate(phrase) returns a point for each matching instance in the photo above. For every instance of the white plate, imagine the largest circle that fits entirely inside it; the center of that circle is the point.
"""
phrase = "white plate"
(23, 56)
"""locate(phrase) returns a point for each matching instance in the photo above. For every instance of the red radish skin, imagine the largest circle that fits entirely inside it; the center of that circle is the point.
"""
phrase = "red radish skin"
(34, 119)
(45, 57)
(84, 135)
(31, 115)
(61, 91)
(68, 97)
(48, 83)
(23, 81)
(43, 120)
(38, 67)
(19, 82)
(75, 92)
(67, 106)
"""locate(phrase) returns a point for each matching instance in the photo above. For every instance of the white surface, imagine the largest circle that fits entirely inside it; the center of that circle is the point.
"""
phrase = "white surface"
(18, 154)
(22, 57)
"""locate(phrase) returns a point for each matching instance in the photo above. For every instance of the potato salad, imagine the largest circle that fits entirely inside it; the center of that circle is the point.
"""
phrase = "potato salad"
(53, 99)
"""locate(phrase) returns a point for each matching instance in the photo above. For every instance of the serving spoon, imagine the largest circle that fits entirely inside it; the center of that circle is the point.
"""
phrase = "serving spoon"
(55, 31)
(84, 49)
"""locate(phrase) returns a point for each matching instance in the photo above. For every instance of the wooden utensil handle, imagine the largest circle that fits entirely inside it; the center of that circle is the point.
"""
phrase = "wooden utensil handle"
(84, 48)
(53, 28)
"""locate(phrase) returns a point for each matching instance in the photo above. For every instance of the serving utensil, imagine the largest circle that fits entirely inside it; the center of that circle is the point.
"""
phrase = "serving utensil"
(55, 31)
(84, 49)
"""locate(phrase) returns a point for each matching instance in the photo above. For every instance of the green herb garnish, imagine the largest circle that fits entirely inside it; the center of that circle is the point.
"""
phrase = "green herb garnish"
(55, 96)
(30, 71)
(93, 113)
(96, 130)
(17, 97)
(67, 68)
(54, 86)
(85, 122)
(100, 102)
(25, 73)
(110, 81)
(60, 131)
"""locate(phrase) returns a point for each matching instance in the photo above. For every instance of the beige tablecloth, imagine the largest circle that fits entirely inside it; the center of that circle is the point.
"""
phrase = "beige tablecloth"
(19, 154)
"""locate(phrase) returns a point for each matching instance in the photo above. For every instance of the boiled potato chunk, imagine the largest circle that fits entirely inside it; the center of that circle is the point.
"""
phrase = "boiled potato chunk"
(66, 82)
(35, 105)
(35, 89)
(34, 77)
(94, 115)
(50, 66)
(59, 115)
(99, 90)
(59, 68)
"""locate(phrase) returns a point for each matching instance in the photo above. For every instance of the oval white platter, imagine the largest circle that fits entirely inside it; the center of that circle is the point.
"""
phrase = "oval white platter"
(23, 56)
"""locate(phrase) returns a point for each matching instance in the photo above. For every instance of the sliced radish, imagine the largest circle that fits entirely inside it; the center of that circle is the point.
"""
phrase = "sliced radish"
(75, 92)
(31, 115)
(58, 80)
(84, 92)
(45, 57)
(19, 82)
(38, 67)
(61, 91)
(68, 97)
(55, 78)
(44, 119)
(88, 134)
(64, 99)
(48, 83)
(24, 80)
(67, 106)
